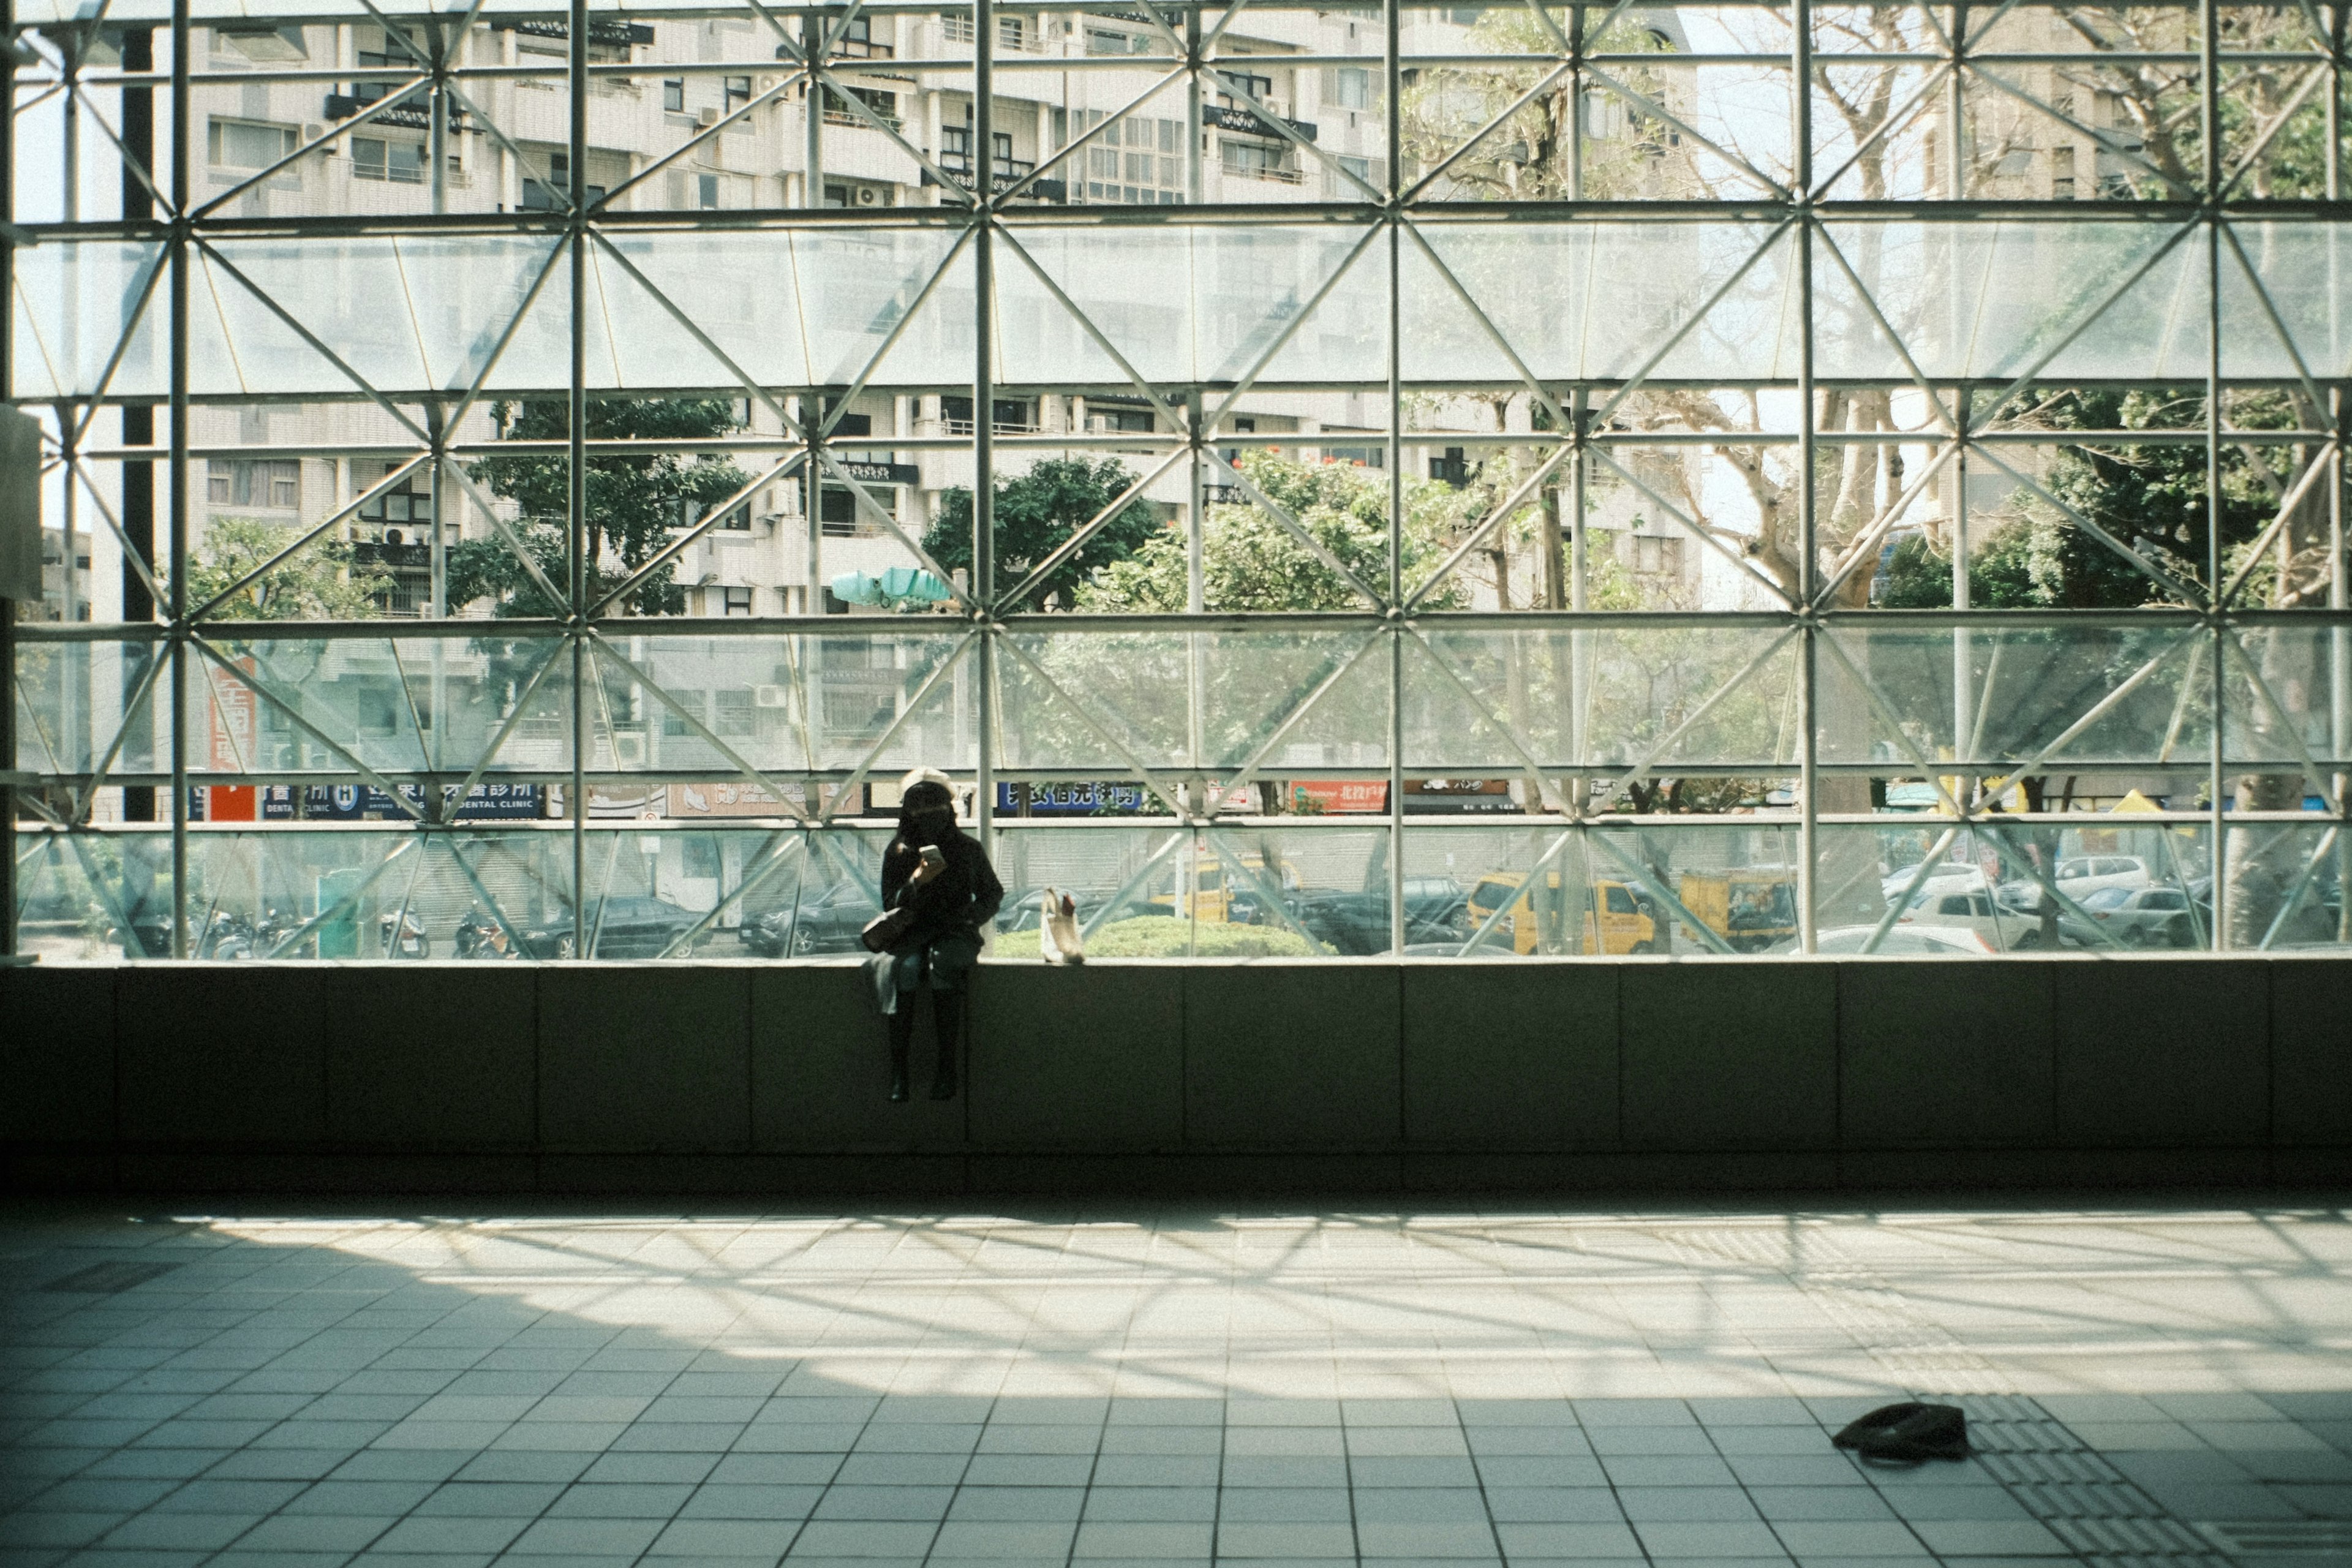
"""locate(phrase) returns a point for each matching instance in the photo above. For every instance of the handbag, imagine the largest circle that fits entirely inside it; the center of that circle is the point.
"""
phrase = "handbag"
(884, 931)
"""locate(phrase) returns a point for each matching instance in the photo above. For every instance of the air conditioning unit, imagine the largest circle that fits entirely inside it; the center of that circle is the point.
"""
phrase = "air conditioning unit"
(628, 751)
(311, 132)
(769, 696)
(707, 115)
(768, 83)
(868, 197)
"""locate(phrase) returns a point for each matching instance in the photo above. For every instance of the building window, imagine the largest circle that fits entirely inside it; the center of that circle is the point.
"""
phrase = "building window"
(374, 158)
(1654, 557)
(674, 96)
(739, 93)
(739, 603)
(276, 484)
(1351, 88)
(1258, 160)
(1134, 161)
(404, 511)
(553, 195)
(246, 143)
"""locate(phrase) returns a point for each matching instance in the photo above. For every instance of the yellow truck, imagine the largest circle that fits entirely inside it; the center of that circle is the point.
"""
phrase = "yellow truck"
(1621, 925)
(1750, 909)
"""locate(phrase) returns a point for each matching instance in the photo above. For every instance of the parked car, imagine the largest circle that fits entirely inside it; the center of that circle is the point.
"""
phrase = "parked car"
(627, 926)
(2135, 917)
(1434, 911)
(1948, 877)
(2004, 930)
(2078, 877)
(1901, 942)
(828, 921)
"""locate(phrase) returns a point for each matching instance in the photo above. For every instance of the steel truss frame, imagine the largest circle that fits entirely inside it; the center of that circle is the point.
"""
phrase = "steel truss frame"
(1389, 218)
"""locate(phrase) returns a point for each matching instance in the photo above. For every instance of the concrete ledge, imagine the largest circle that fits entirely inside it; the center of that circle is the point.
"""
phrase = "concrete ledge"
(1207, 1079)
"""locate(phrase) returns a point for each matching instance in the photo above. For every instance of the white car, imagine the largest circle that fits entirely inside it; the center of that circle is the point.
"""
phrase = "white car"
(1947, 875)
(1906, 942)
(2003, 928)
(2078, 878)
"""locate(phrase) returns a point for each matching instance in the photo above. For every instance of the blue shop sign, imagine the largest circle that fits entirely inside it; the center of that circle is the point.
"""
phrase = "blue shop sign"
(365, 803)
(1091, 798)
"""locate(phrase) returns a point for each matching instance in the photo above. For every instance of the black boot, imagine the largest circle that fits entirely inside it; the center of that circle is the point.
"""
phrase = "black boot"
(902, 1035)
(947, 1013)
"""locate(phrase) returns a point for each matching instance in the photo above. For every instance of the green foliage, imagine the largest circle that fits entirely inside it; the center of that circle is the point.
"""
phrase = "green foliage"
(1167, 936)
(2150, 496)
(1036, 512)
(1250, 562)
(632, 503)
(316, 584)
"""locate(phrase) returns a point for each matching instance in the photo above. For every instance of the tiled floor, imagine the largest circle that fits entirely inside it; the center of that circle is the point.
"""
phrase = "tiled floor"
(1148, 1387)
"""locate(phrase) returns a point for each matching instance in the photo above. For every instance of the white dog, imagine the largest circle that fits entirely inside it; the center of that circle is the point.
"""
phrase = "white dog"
(1058, 930)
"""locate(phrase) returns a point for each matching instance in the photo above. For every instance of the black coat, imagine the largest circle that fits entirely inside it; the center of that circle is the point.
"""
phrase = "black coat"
(963, 898)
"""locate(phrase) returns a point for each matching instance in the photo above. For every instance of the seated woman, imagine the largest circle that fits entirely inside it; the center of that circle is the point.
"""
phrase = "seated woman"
(942, 875)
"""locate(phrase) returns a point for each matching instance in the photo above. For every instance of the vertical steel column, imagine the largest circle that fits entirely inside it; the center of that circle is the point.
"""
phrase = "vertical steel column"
(436, 136)
(575, 544)
(182, 196)
(983, 392)
(1956, 175)
(1192, 130)
(813, 132)
(1392, 45)
(1801, 182)
(1576, 104)
(2209, 45)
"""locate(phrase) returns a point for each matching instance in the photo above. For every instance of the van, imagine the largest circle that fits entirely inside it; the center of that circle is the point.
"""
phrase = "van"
(1622, 925)
(1751, 909)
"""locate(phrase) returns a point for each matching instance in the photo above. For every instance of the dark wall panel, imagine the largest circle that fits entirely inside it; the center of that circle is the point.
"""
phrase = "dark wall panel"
(1729, 1056)
(1945, 1055)
(1291, 1056)
(1089, 1057)
(2311, 1053)
(2163, 1055)
(1516, 1054)
(438, 1058)
(222, 1053)
(644, 1059)
(57, 1055)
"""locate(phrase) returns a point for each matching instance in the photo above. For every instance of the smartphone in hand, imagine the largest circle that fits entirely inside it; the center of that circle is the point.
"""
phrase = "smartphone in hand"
(933, 857)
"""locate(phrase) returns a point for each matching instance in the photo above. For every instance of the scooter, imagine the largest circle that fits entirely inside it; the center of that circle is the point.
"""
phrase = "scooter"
(403, 937)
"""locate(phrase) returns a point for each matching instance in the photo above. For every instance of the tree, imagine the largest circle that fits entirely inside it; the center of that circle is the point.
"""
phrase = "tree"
(318, 582)
(632, 503)
(1251, 561)
(1036, 512)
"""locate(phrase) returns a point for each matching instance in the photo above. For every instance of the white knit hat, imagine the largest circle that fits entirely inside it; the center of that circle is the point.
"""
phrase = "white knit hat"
(926, 775)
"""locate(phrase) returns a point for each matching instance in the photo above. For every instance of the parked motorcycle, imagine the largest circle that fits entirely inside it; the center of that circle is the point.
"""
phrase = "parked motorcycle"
(401, 936)
(480, 936)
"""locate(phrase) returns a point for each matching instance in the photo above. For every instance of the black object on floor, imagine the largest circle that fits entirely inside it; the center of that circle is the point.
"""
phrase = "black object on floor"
(1909, 1433)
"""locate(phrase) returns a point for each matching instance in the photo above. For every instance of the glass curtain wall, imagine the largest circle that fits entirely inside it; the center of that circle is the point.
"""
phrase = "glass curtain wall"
(523, 480)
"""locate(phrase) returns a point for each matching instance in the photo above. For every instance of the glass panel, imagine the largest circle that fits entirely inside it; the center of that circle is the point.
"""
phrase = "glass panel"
(1551, 891)
(2110, 883)
(445, 705)
(1684, 301)
(1109, 699)
(85, 707)
(1703, 693)
(2060, 692)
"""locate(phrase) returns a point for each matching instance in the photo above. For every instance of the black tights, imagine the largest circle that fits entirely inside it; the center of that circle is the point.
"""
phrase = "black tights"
(947, 1018)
